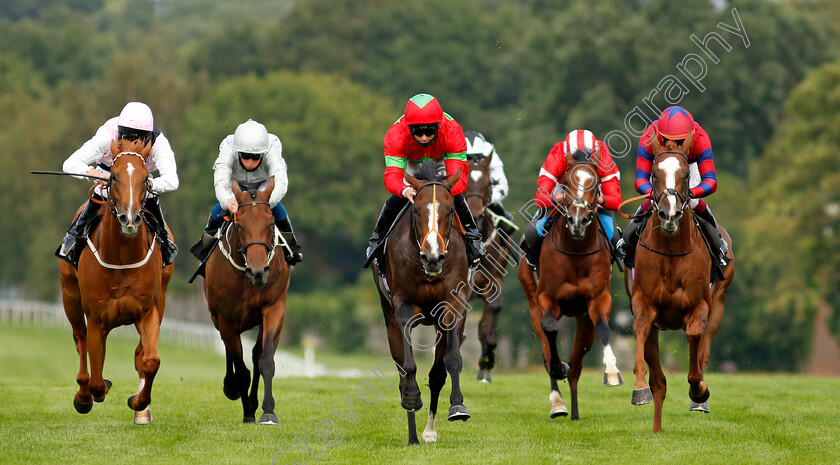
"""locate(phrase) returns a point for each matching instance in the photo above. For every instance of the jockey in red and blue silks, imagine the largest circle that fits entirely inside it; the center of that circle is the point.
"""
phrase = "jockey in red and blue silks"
(671, 131)
(582, 143)
(424, 133)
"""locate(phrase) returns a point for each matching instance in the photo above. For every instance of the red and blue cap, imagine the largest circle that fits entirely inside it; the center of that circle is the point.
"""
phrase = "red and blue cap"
(675, 123)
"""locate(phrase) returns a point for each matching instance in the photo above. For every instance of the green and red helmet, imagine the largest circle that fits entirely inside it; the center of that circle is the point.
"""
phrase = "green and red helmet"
(423, 109)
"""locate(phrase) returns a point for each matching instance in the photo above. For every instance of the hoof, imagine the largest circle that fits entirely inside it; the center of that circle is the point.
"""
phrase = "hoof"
(130, 403)
(558, 408)
(486, 362)
(702, 407)
(484, 376)
(269, 419)
(80, 407)
(248, 419)
(108, 385)
(641, 396)
(613, 379)
(429, 436)
(702, 397)
(230, 393)
(143, 417)
(559, 372)
(559, 411)
(412, 403)
(458, 412)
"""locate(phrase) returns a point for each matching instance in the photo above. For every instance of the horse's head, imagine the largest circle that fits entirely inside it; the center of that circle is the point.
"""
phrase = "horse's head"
(478, 186)
(670, 179)
(580, 188)
(432, 216)
(128, 183)
(254, 226)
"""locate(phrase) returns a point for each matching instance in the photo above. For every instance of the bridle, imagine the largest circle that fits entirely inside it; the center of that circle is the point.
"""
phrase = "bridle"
(684, 199)
(105, 188)
(579, 202)
(443, 240)
(244, 247)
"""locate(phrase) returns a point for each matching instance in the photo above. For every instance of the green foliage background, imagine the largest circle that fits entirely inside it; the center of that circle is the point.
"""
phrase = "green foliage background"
(329, 76)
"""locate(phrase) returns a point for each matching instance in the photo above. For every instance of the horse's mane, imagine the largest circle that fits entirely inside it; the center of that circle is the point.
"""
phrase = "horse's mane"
(428, 172)
(125, 145)
(582, 155)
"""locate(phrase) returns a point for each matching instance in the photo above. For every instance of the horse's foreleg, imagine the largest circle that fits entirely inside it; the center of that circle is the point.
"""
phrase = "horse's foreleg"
(437, 379)
(256, 352)
(406, 319)
(272, 324)
(584, 337)
(96, 336)
(599, 313)
(657, 377)
(550, 327)
(642, 329)
(82, 401)
(241, 374)
(698, 391)
(453, 362)
(487, 336)
(149, 329)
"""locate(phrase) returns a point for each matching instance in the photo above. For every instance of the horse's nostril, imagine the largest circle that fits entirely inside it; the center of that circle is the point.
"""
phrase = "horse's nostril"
(122, 218)
(266, 271)
(441, 257)
(662, 215)
(137, 220)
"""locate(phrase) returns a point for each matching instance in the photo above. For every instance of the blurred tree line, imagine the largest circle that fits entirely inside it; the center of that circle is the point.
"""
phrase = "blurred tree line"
(330, 76)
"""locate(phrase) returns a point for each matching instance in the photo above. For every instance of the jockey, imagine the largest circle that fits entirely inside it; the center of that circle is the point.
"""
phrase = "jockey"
(424, 132)
(478, 149)
(580, 144)
(134, 122)
(671, 130)
(250, 156)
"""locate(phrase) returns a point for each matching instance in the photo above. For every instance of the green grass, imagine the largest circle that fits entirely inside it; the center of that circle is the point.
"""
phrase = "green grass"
(756, 418)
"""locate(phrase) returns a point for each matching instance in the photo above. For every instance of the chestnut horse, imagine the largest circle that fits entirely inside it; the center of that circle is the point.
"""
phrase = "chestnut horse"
(246, 284)
(120, 281)
(574, 282)
(669, 289)
(425, 281)
(489, 278)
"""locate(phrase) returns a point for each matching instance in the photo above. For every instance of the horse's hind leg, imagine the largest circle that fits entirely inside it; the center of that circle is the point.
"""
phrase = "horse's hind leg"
(437, 379)
(658, 383)
(148, 363)
(71, 298)
(698, 391)
(272, 324)
(584, 337)
(487, 336)
(599, 315)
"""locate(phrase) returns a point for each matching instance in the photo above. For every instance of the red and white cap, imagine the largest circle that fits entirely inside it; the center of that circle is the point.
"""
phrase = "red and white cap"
(580, 140)
(136, 115)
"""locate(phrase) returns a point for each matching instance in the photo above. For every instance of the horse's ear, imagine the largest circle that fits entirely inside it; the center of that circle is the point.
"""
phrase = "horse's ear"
(234, 186)
(452, 180)
(412, 181)
(655, 147)
(114, 150)
(485, 162)
(269, 187)
(687, 143)
(146, 149)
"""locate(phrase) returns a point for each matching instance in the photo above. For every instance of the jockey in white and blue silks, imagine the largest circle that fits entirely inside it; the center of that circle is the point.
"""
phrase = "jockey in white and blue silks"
(94, 158)
(250, 156)
(478, 149)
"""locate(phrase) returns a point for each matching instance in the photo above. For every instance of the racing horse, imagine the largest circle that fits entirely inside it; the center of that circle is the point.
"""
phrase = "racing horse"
(489, 277)
(669, 288)
(246, 284)
(574, 282)
(423, 279)
(120, 280)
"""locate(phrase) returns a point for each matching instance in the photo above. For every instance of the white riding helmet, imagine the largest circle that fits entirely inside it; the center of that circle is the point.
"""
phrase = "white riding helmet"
(250, 137)
(136, 115)
(477, 145)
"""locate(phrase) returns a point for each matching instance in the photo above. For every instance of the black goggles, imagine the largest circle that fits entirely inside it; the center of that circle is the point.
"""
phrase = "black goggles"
(676, 141)
(424, 130)
(125, 133)
(250, 156)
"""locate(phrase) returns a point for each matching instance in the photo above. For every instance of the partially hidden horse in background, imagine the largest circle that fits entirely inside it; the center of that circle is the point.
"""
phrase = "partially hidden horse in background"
(424, 279)
(246, 284)
(120, 280)
(574, 281)
(489, 278)
(669, 287)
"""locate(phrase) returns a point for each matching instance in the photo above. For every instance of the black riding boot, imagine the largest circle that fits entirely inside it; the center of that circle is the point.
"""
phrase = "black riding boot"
(475, 248)
(387, 216)
(294, 256)
(709, 227)
(168, 249)
(208, 238)
(630, 236)
(74, 242)
(531, 244)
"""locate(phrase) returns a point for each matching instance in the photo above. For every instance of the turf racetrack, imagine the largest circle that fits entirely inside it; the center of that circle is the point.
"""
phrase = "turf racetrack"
(761, 419)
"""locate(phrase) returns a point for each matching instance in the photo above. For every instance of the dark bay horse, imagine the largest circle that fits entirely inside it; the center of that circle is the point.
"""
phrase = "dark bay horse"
(669, 288)
(246, 284)
(490, 274)
(574, 282)
(120, 281)
(426, 274)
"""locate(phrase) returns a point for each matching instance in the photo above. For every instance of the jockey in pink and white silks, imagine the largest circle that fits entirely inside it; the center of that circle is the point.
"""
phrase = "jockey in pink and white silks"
(249, 156)
(94, 158)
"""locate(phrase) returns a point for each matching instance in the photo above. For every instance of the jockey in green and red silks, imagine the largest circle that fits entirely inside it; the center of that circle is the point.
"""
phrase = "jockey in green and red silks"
(424, 133)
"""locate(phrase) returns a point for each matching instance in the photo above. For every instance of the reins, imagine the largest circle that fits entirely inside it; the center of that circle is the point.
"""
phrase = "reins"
(444, 242)
(277, 240)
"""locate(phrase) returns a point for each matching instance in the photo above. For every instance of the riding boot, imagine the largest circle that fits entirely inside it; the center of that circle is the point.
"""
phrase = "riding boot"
(168, 249)
(208, 238)
(617, 249)
(387, 216)
(630, 236)
(294, 256)
(475, 248)
(530, 244)
(709, 227)
(78, 232)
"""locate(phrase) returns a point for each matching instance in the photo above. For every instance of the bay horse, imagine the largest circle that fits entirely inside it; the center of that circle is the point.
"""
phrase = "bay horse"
(669, 288)
(574, 282)
(120, 281)
(424, 279)
(489, 281)
(246, 284)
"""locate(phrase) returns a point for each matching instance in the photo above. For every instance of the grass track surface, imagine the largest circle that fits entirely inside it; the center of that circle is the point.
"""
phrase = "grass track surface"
(761, 419)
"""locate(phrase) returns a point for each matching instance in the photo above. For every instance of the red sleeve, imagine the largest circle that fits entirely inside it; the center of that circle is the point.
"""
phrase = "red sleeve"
(550, 174)
(610, 179)
(452, 167)
(395, 159)
(455, 154)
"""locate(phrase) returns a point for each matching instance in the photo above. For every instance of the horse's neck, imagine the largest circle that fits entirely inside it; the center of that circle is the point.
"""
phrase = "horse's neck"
(117, 248)
(571, 244)
(681, 242)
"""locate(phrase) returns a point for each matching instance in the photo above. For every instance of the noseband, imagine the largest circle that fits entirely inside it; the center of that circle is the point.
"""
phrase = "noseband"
(444, 241)
(243, 248)
(579, 202)
(105, 187)
(684, 199)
